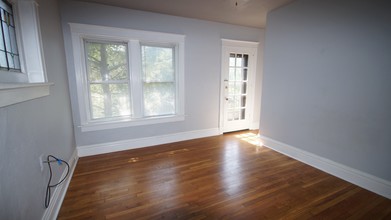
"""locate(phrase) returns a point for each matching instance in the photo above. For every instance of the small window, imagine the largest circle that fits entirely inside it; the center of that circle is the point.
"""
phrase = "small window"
(9, 56)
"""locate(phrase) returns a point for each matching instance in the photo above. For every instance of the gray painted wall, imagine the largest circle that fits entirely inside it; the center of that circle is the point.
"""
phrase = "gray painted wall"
(32, 128)
(326, 85)
(202, 65)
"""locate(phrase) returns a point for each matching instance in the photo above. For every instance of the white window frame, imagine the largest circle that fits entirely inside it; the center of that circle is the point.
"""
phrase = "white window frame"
(134, 38)
(31, 82)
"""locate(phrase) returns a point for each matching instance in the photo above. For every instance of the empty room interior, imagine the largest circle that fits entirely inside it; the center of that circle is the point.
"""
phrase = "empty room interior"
(185, 109)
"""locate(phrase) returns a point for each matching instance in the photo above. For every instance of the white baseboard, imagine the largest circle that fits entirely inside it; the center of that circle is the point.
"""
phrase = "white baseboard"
(59, 192)
(357, 177)
(95, 149)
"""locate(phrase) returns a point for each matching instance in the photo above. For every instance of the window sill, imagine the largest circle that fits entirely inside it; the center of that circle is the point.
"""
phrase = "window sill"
(96, 126)
(15, 93)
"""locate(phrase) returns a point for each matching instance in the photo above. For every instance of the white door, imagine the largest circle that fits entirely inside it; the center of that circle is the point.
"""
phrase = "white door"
(237, 92)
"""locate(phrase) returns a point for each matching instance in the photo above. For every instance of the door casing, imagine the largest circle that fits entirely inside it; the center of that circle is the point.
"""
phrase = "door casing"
(238, 47)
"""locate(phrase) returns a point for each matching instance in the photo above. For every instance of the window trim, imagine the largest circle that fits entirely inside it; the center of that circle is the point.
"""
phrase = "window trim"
(31, 82)
(80, 32)
(28, 36)
(15, 93)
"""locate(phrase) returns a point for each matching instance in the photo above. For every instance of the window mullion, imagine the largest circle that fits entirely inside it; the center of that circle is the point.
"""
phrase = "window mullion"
(136, 79)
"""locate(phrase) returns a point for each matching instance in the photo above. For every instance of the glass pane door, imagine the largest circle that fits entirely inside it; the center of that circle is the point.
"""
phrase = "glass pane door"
(236, 87)
(238, 68)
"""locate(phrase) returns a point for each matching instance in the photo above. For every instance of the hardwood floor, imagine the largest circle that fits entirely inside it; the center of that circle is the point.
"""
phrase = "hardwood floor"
(225, 176)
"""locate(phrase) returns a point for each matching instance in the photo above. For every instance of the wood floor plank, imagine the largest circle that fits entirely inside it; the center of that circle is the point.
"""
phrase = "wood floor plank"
(212, 178)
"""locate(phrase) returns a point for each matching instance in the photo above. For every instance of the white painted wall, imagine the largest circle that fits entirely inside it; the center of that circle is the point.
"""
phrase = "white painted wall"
(326, 84)
(32, 128)
(202, 65)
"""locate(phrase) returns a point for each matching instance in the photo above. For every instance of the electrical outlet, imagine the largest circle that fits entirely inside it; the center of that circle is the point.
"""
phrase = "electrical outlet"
(41, 162)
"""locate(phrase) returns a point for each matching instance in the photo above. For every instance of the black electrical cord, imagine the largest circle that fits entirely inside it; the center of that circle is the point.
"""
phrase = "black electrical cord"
(59, 161)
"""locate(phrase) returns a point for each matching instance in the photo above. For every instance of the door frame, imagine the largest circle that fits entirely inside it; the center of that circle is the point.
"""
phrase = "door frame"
(243, 45)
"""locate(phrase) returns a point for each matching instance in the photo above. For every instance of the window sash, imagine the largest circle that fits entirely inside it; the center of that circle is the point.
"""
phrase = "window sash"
(159, 85)
(103, 92)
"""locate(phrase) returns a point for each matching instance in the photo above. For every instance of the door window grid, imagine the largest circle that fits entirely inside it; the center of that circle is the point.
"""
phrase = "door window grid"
(9, 56)
(237, 86)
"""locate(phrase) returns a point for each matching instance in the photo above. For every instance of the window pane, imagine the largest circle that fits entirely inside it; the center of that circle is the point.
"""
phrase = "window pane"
(1, 42)
(237, 88)
(10, 61)
(231, 74)
(231, 103)
(238, 74)
(7, 37)
(157, 64)
(232, 59)
(244, 88)
(243, 101)
(231, 88)
(3, 11)
(109, 100)
(244, 74)
(237, 102)
(236, 115)
(14, 48)
(234, 102)
(106, 61)
(239, 60)
(16, 62)
(11, 21)
(159, 87)
(159, 99)
(243, 114)
(245, 60)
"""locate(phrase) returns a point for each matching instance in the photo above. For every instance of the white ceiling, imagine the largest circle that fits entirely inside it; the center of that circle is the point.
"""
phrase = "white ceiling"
(250, 13)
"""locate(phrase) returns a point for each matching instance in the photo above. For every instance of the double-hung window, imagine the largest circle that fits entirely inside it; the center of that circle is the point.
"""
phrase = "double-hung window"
(127, 77)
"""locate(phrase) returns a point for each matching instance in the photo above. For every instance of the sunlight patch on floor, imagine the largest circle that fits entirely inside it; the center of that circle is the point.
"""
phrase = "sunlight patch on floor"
(133, 160)
(250, 138)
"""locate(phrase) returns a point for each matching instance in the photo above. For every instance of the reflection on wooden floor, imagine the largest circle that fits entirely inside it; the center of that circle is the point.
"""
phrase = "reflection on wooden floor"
(229, 176)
